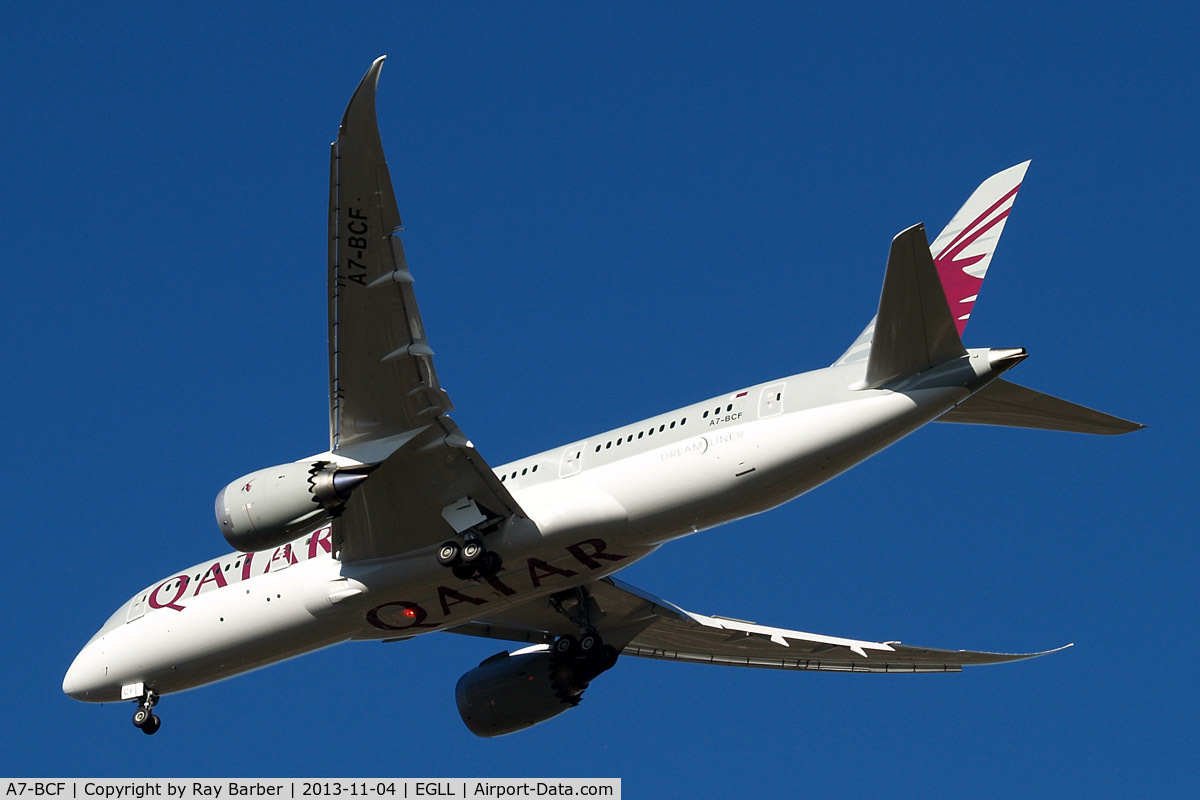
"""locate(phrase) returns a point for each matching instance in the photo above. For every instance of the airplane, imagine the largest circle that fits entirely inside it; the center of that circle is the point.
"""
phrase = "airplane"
(401, 528)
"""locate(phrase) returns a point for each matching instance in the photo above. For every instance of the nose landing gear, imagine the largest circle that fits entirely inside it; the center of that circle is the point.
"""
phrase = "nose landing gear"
(144, 718)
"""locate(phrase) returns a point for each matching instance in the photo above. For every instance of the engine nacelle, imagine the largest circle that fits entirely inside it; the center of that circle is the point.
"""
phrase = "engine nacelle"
(272, 506)
(511, 692)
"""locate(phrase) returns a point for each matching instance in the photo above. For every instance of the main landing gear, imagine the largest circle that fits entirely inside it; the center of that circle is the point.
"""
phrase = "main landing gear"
(145, 718)
(588, 651)
(468, 556)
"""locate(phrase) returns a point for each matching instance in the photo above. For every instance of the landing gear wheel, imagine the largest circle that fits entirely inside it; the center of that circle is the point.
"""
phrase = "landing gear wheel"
(566, 645)
(489, 563)
(464, 572)
(472, 548)
(449, 554)
(589, 644)
(144, 718)
(607, 657)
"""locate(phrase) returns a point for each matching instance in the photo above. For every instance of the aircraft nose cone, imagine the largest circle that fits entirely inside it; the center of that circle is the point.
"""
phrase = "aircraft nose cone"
(70, 680)
(84, 677)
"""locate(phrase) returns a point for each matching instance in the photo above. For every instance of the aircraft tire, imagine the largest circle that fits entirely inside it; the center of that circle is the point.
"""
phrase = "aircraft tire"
(472, 551)
(566, 645)
(590, 643)
(607, 656)
(152, 725)
(142, 717)
(449, 554)
(490, 563)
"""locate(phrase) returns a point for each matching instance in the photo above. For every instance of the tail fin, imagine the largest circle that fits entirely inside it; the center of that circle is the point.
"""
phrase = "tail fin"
(1005, 403)
(962, 251)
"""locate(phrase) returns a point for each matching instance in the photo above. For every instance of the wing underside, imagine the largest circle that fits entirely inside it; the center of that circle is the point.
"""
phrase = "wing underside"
(386, 405)
(381, 376)
(640, 624)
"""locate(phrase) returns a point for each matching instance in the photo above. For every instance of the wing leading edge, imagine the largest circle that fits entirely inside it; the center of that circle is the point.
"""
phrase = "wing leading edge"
(640, 624)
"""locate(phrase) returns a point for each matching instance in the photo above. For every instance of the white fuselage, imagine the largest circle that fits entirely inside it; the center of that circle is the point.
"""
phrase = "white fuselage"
(593, 506)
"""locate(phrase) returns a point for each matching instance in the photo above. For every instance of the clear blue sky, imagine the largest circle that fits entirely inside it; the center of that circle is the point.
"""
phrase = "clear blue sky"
(612, 210)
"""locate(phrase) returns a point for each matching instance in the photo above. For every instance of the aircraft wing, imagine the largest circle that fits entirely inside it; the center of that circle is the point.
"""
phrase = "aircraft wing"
(386, 406)
(640, 624)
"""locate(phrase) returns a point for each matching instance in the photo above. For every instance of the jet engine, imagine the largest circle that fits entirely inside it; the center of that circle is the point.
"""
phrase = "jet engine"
(272, 506)
(511, 692)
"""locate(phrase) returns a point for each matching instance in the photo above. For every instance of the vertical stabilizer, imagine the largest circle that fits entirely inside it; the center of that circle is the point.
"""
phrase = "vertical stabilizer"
(962, 251)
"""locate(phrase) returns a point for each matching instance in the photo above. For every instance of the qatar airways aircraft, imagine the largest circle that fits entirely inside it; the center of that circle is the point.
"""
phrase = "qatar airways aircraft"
(401, 528)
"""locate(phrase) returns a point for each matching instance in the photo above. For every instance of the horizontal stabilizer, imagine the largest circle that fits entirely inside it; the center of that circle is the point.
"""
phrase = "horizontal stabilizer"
(913, 329)
(1005, 403)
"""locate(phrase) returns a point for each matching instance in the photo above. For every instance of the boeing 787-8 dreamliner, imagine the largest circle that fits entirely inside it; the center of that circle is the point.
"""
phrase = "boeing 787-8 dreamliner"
(400, 528)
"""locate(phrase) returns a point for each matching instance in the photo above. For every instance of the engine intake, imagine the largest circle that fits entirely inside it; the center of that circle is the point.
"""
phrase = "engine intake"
(272, 506)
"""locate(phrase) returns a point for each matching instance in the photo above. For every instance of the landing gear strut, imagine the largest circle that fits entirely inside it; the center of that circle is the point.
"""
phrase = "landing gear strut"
(145, 718)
